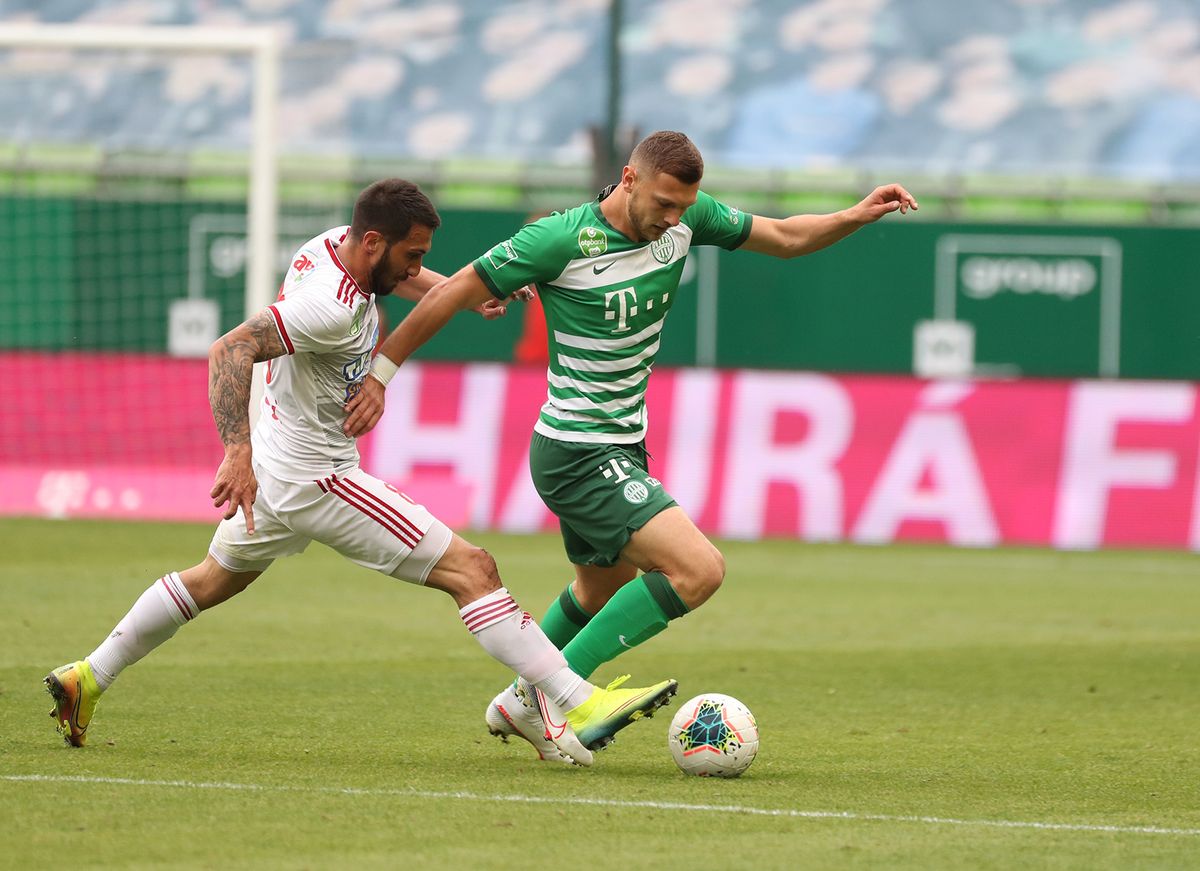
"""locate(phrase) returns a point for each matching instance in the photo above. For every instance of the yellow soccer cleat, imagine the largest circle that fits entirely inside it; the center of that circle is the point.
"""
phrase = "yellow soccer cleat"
(608, 711)
(75, 692)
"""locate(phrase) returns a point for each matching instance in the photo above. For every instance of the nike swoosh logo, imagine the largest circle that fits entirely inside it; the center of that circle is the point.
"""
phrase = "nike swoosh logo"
(597, 269)
(544, 709)
(621, 638)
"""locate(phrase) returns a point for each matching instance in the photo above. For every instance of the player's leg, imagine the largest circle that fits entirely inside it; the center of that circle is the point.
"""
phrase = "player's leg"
(375, 525)
(558, 712)
(506, 714)
(508, 634)
(595, 585)
(679, 570)
(605, 498)
(595, 491)
(581, 599)
(171, 601)
(670, 544)
(470, 576)
(233, 561)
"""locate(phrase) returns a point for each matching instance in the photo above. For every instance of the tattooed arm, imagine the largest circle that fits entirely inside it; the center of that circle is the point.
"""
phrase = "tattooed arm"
(231, 362)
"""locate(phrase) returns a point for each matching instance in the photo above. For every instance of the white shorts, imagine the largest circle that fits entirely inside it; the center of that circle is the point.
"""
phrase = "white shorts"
(361, 517)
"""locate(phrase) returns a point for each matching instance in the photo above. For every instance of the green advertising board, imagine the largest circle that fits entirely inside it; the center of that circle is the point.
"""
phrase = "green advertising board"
(87, 273)
(1036, 302)
(1043, 301)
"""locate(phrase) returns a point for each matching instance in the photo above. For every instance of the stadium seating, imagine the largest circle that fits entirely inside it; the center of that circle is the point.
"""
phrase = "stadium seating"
(1073, 87)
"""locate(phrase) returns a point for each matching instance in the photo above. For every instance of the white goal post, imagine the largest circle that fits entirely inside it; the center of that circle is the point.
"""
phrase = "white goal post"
(262, 45)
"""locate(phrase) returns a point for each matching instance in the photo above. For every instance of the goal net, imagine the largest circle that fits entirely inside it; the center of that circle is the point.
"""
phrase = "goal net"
(139, 207)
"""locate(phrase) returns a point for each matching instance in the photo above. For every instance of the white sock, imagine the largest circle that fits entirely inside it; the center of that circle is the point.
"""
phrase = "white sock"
(511, 636)
(155, 616)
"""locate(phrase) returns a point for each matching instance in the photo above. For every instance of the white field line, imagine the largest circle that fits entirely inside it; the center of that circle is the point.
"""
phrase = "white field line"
(614, 803)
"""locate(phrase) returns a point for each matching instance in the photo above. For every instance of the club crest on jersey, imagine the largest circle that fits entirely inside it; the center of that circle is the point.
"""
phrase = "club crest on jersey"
(663, 249)
(592, 241)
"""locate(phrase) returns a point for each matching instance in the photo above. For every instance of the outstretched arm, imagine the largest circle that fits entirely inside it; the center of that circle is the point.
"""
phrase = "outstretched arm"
(416, 287)
(804, 234)
(463, 290)
(231, 362)
(490, 309)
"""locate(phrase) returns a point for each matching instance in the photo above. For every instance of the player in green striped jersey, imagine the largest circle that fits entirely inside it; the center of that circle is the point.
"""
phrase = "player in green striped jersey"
(608, 273)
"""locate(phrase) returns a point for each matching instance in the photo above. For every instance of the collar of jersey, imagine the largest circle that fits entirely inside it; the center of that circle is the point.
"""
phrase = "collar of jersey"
(338, 263)
(595, 204)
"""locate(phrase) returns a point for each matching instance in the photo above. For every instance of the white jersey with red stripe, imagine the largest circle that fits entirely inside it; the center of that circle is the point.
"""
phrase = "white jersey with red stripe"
(329, 326)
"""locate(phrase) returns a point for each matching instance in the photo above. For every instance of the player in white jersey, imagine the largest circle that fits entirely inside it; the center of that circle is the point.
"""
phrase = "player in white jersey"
(297, 479)
(608, 273)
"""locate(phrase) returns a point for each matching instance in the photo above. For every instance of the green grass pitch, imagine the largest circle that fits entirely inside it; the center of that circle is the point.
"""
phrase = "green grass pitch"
(920, 707)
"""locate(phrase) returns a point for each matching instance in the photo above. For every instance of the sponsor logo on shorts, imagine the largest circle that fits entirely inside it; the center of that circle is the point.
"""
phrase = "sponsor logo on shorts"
(636, 492)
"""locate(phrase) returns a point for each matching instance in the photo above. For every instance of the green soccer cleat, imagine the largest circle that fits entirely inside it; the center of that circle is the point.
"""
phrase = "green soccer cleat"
(75, 692)
(608, 711)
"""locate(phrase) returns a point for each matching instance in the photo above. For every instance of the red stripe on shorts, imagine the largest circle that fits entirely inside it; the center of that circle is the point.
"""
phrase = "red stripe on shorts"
(354, 501)
(387, 507)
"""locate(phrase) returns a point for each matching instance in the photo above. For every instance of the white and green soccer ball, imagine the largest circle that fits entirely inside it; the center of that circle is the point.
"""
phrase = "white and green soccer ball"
(713, 735)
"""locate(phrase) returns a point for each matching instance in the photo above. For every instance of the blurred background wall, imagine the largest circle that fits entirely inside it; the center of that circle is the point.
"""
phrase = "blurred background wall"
(1054, 146)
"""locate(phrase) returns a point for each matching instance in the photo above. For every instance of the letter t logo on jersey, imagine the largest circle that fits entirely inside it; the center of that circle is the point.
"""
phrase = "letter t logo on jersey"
(624, 309)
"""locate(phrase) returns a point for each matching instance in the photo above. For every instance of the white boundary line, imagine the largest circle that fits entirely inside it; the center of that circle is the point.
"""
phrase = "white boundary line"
(604, 802)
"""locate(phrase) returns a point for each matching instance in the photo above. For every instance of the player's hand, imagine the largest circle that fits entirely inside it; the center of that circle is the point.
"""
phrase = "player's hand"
(494, 308)
(364, 408)
(235, 483)
(884, 199)
(491, 309)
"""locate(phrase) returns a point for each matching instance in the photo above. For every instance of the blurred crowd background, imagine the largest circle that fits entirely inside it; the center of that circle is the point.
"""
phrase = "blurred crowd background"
(1029, 87)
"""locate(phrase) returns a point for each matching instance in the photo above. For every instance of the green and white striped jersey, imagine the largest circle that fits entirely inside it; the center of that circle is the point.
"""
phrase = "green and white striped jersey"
(606, 299)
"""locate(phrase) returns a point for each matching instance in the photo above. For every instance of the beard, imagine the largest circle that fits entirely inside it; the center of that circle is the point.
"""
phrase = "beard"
(644, 230)
(378, 280)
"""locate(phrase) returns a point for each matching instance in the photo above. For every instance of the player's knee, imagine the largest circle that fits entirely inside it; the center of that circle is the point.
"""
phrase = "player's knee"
(481, 575)
(711, 572)
(210, 583)
(700, 578)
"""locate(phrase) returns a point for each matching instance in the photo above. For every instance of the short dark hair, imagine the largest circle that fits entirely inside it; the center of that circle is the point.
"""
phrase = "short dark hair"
(391, 207)
(670, 152)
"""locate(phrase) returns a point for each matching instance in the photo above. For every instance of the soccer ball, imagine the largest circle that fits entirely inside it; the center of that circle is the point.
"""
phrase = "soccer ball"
(713, 735)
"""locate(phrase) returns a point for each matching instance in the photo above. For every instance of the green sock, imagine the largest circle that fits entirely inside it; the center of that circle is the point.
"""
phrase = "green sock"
(638, 612)
(564, 619)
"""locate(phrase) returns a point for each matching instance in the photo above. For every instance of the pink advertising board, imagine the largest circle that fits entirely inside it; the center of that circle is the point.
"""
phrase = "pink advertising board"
(1079, 464)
